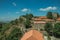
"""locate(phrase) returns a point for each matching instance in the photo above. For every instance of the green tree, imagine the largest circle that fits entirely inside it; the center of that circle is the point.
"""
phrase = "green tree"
(49, 15)
(58, 15)
(16, 21)
(21, 20)
(12, 22)
(0, 27)
(48, 27)
(16, 34)
(48, 37)
(56, 30)
(29, 16)
(27, 23)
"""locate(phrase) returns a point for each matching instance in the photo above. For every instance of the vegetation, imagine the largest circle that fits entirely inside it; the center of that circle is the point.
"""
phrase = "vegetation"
(57, 30)
(27, 23)
(0, 27)
(16, 34)
(49, 28)
(49, 15)
(28, 16)
(48, 37)
(21, 20)
(12, 30)
(58, 15)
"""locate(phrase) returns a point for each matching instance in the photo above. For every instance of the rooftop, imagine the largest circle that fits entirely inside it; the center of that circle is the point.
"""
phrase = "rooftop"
(33, 35)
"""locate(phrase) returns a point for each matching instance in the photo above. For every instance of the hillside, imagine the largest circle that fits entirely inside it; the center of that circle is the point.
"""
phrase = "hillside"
(15, 29)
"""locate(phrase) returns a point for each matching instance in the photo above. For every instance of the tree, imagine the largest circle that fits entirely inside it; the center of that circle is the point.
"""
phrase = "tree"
(49, 15)
(0, 27)
(56, 30)
(29, 16)
(16, 34)
(21, 20)
(48, 38)
(48, 27)
(27, 23)
(58, 15)
(14, 22)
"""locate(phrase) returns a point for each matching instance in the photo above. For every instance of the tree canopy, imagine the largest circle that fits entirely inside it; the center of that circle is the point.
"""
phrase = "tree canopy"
(49, 28)
(56, 30)
(49, 15)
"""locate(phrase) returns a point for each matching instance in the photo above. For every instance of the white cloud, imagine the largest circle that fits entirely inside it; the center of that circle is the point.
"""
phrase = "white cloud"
(25, 10)
(48, 8)
(14, 3)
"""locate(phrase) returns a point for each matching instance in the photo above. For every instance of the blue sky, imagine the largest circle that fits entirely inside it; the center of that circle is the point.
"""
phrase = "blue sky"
(12, 9)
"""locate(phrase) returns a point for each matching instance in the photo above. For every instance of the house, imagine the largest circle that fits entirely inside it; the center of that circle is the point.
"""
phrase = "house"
(58, 19)
(33, 35)
(39, 22)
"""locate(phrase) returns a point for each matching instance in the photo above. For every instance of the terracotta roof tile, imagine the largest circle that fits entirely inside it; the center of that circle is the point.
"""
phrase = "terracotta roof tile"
(48, 20)
(33, 35)
(58, 19)
(43, 17)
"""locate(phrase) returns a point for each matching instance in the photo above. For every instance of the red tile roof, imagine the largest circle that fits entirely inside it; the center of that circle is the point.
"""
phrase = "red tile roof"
(43, 17)
(58, 19)
(33, 35)
(50, 20)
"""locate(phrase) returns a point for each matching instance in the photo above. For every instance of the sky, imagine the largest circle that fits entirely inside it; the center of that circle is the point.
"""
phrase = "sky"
(12, 9)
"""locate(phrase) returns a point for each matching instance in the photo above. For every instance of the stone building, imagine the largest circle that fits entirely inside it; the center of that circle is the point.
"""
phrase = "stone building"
(39, 23)
(58, 19)
(54, 15)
